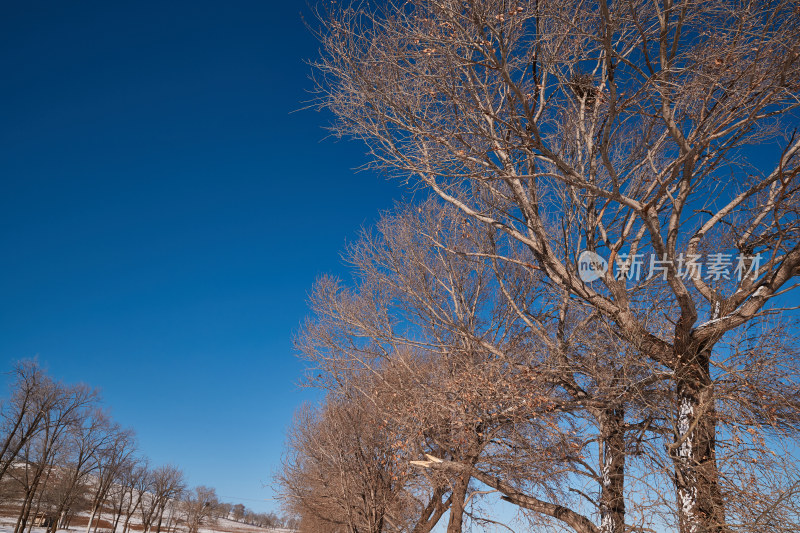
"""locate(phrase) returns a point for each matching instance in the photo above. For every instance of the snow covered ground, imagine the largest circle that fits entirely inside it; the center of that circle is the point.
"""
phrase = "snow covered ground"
(222, 526)
(7, 525)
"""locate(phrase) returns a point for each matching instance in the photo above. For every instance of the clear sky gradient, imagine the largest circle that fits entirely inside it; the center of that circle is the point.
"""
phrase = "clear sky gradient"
(163, 215)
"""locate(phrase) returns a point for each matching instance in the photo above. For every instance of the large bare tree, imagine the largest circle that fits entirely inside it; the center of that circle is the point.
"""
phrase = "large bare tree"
(654, 134)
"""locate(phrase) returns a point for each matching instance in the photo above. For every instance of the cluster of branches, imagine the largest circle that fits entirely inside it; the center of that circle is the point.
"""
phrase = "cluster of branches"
(471, 346)
(61, 455)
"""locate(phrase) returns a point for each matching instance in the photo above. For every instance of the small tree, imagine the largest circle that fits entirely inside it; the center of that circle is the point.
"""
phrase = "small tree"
(238, 512)
(340, 473)
(198, 507)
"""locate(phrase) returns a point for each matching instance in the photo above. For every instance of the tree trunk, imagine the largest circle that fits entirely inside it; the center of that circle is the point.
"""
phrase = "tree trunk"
(53, 526)
(30, 494)
(22, 519)
(91, 519)
(61, 520)
(131, 509)
(612, 495)
(160, 519)
(169, 519)
(35, 512)
(99, 513)
(700, 505)
(459, 494)
(433, 512)
(118, 513)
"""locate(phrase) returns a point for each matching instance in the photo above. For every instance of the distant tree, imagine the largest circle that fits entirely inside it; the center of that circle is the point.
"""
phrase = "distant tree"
(292, 523)
(238, 512)
(269, 520)
(222, 510)
(198, 507)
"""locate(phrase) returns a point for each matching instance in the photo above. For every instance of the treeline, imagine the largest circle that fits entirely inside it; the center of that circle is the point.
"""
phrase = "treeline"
(449, 375)
(240, 513)
(591, 309)
(62, 456)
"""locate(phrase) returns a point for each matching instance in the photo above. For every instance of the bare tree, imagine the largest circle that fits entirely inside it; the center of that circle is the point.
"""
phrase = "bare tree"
(198, 507)
(86, 440)
(111, 459)
(238, 512)
(121, 496)
(144, 486)
(340, 474)
(65, 411)
(626, 130)
(132, 483)
(167, 485)
(32, 393)
(223, 510)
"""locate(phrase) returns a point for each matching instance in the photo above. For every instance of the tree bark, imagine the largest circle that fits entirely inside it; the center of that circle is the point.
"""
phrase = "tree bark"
(456, 521)
(700, 505)
(612, 496)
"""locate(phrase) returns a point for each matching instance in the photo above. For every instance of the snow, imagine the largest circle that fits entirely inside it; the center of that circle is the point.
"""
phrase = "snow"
(223, 526)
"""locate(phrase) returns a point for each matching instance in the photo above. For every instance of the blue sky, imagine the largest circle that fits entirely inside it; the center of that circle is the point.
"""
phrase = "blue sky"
(163, 215)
